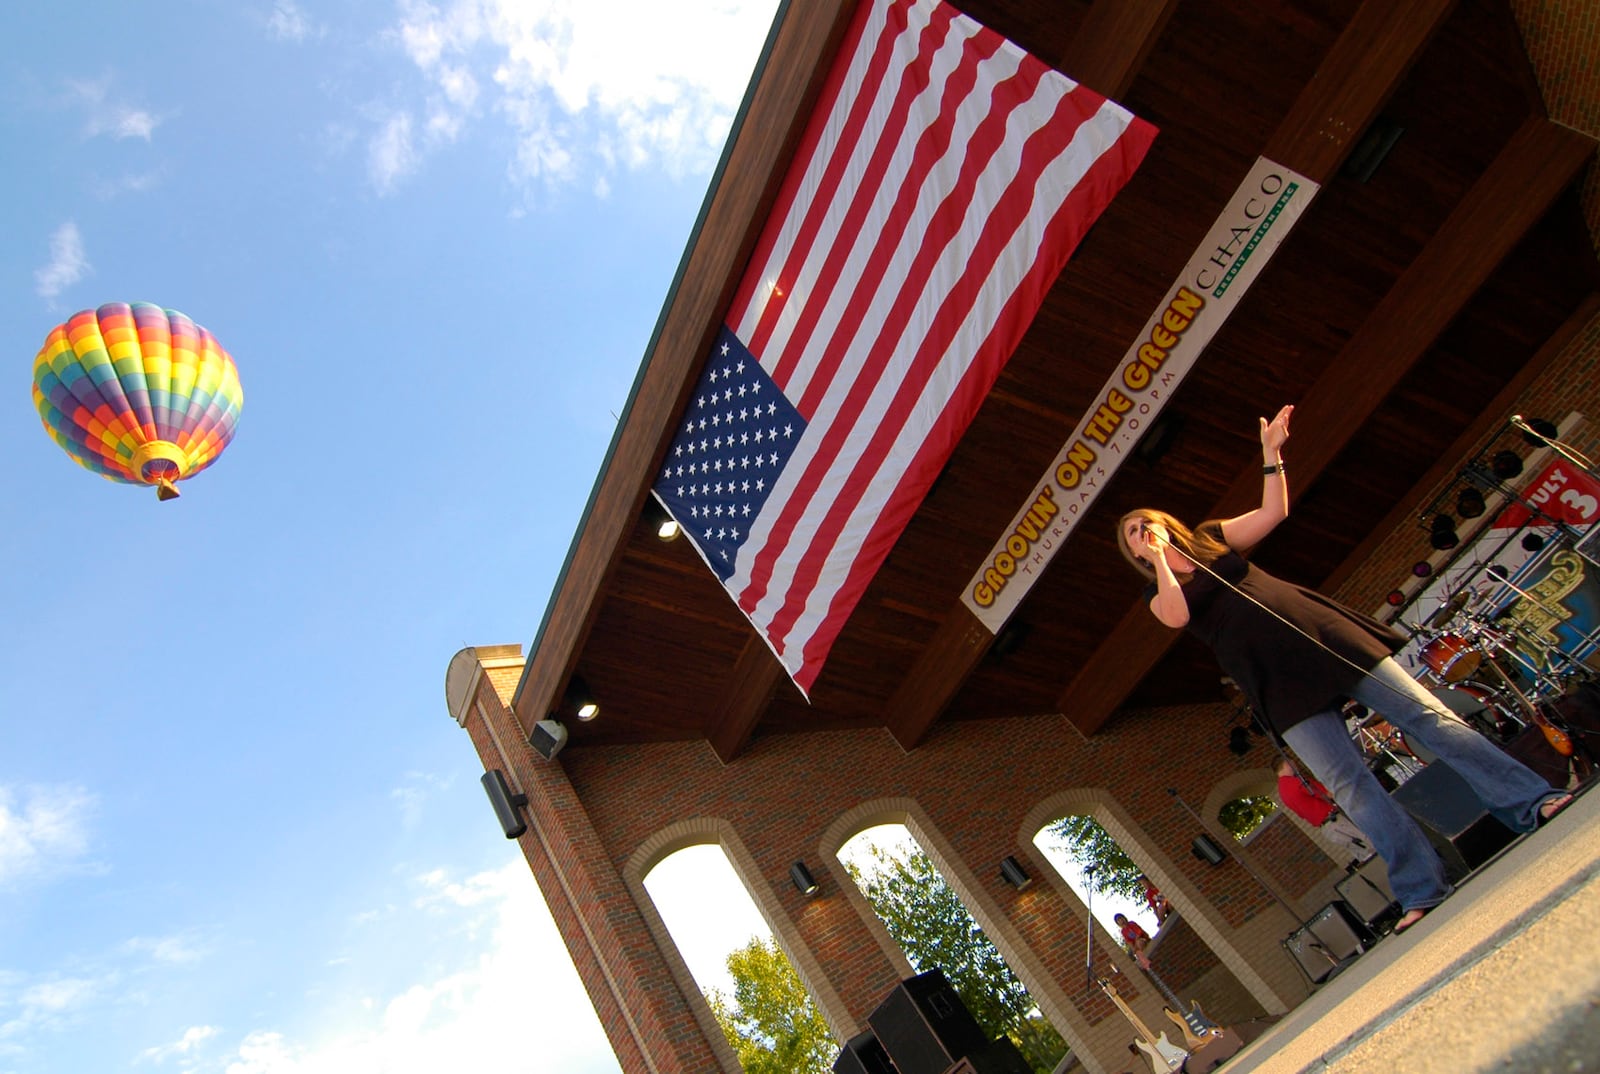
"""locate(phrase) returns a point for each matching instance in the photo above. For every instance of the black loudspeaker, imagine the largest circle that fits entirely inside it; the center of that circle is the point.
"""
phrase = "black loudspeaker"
(924, 1025)
(506, 805)
(1206, 849)
(1366, 892)
(1455, 821)
(862, 1054)
(1323, 944)
(997, 1057)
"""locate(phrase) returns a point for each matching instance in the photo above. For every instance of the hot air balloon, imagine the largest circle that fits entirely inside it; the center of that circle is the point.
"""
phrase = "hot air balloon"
(137, 393)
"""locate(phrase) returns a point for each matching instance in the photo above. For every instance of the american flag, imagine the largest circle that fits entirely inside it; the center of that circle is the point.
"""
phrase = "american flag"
(942, 182)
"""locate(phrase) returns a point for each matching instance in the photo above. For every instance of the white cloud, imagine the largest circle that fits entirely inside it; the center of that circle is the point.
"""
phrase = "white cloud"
(107, 116)
(586, 88)
(165, 949)
(45, 829)
(45, 1005)
(472, 1016)
(288, 23)
(391, 155)
(412, 795)
(192, 1038)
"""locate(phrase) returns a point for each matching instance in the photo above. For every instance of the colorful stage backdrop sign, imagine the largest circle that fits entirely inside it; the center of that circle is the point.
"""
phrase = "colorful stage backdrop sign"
(941, 184)
(1261, 212)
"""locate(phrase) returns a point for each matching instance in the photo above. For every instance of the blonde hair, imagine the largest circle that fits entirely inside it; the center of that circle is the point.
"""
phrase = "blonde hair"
(1199, 545)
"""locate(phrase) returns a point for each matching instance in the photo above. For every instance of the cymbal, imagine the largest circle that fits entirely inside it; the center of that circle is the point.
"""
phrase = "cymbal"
(1446, 611)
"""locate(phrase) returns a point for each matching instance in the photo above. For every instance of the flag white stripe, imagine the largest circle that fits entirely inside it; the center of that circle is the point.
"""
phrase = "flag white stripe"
(1015, 260)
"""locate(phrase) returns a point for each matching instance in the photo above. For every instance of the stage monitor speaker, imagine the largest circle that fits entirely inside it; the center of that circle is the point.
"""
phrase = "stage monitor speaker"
(1455, 821)
(924, 1025)
(1366, 892)
(1323, 944)
(862, 1054)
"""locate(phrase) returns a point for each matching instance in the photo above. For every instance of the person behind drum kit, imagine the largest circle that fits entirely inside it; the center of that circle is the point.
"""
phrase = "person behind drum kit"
(1310, 801)
(1298, 656)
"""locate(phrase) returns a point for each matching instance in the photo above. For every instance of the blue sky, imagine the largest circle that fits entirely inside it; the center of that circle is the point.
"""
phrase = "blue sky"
(238, 831)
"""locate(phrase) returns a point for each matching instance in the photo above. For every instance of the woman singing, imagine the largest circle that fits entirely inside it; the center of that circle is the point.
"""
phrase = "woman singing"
(1298, 656)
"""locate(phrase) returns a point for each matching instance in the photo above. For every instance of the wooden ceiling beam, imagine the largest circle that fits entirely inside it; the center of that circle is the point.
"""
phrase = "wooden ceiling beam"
(1508, 199)
(749, 689)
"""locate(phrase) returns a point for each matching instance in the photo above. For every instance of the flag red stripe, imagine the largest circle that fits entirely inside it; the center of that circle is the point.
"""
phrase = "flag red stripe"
(885, 234)
(1063, 234)
(1045, 145)
(913, 79)
(821, 198)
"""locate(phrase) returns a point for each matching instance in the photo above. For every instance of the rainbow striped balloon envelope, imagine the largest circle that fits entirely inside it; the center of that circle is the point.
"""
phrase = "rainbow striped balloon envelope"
(137, 393)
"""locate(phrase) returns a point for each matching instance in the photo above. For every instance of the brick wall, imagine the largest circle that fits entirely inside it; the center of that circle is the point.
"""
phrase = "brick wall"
(973, 794)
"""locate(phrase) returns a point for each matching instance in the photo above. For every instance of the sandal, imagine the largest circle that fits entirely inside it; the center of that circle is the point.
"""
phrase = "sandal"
(1410, 918)
(1551, 806)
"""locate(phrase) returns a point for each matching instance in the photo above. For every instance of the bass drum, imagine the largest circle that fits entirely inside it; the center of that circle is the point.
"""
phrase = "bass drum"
(1481, 706)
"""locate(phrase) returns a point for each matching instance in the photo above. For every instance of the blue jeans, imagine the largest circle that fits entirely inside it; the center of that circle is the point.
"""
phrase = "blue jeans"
(1509, 789)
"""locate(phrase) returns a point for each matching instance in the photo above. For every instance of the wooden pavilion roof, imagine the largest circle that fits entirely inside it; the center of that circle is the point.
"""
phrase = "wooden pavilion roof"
(1402, 315)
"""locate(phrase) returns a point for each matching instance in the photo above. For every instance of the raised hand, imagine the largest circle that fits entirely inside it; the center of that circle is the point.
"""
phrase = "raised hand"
(1275, 432)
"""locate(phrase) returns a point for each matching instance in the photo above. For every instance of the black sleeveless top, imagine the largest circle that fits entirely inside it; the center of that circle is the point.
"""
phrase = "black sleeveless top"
(1285, 675)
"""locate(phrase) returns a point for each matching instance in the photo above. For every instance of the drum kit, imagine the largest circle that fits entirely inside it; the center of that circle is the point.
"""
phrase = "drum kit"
(1494, 673)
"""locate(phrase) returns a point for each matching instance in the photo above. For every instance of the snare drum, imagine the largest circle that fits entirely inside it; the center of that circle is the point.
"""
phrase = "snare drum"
(1452, 657)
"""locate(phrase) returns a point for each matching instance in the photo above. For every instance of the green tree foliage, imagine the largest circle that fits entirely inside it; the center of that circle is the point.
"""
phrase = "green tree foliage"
(1107, 866)
(1244, 815)
(770, 1020)
(927, 919)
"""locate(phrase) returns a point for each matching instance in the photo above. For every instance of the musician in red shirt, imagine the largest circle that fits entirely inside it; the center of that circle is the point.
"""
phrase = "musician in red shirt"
(1311, 801)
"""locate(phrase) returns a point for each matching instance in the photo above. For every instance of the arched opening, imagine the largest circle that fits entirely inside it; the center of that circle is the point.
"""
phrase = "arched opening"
(1102, 860)
(759, 1001)
(1101, 873)
(1245, 815)
(926, 918)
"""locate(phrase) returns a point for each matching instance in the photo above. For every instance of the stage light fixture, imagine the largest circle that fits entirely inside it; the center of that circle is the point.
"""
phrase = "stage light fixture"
(1013, 873)
(1532, 542)
(1506, 464)
(1422, 568)
(803, 880)
(1443, 533)
(1395, 598)
(1469, 503)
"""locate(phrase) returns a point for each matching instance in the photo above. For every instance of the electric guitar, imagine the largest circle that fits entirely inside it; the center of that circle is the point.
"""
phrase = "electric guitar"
(1165, 1057)
(1198, 1030)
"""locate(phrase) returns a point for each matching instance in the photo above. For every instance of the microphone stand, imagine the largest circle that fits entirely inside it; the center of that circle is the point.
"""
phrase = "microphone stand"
(1566, 451)
(1318, 944)
(1088, 935)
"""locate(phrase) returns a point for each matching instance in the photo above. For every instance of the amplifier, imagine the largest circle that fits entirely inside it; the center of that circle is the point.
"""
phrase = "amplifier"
(1366, 891)
(1325, 944)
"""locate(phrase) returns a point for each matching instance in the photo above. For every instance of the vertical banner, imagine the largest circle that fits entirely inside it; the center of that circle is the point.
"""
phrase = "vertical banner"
(1240, 242)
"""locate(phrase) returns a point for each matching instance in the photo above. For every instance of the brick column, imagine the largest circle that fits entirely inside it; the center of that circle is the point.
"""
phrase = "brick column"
(646, 1015)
